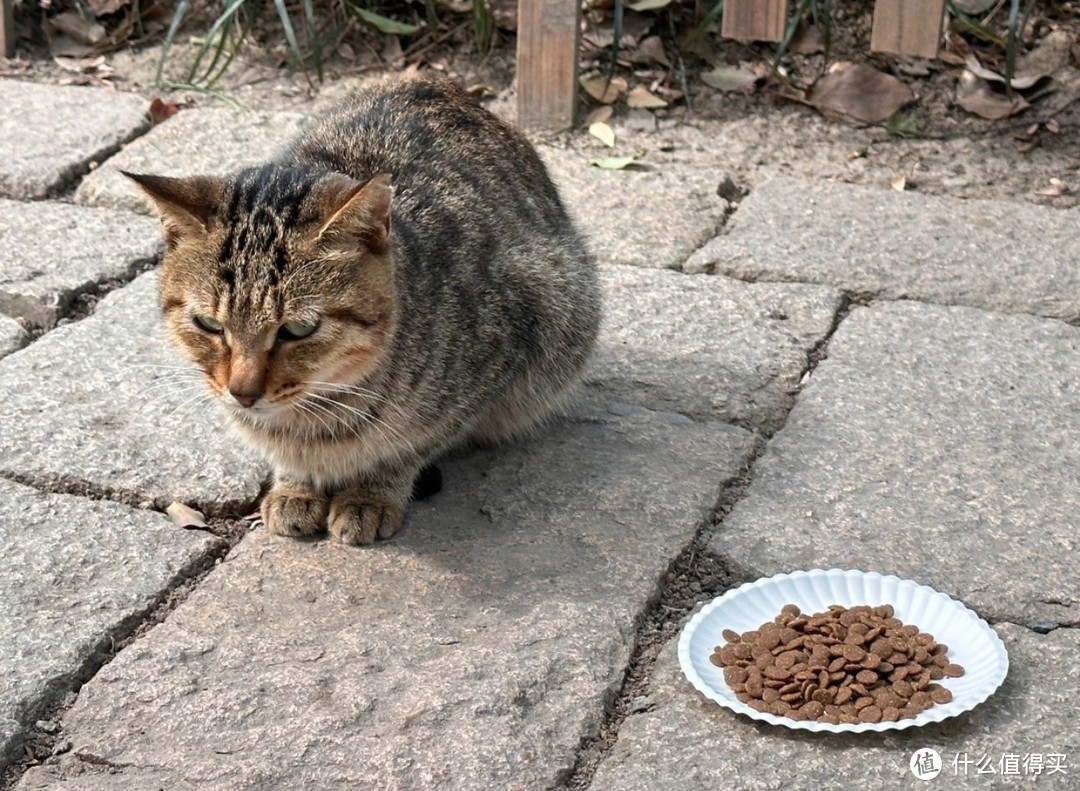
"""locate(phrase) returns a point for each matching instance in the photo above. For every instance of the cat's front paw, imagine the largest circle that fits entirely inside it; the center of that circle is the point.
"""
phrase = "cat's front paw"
(359, 520)
(294, 512)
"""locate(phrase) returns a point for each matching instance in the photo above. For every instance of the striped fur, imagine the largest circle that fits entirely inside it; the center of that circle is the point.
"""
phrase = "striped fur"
(452, 297)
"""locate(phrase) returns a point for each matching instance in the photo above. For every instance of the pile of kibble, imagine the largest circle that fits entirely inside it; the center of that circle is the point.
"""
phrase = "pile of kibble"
(845, 665)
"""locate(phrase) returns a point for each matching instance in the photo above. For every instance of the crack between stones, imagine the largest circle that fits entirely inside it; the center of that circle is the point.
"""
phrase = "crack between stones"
(50, 483)
(38, 744)
(696, 575)
(82, 302)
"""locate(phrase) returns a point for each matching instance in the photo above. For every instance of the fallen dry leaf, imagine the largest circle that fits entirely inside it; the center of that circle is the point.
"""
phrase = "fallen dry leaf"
(601, 115)
(648, 5)
(898, 183)
(72, 24)
(651, 50)
(858, 94)
(602, 90)
(808, 41)
(732, 78)
(105, 7)
(975, 95)
(640, 97)
(161, 111)
(1056, 189)
(602, 132)
(1020, 82)
(185, 516)
(81, 65)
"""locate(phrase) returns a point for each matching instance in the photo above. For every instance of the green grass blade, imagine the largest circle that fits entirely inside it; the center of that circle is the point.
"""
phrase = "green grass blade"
(432, 17)
(710, 17)
(1012, 42)
(385, 24)
(313, 40)
(789, 34)
(218, 31)
(483, 25)
(245, 28)
(187, 86)
(290, 33)
(975, 27)
(174, 27)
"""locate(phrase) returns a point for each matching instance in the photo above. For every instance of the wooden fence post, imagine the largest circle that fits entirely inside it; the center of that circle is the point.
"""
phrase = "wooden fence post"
(754, 20)
(7, 28)
(908, 27)
(547, 63)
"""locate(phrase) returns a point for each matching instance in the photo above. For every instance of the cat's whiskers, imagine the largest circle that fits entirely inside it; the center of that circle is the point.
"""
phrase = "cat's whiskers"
(388, 433)
(203, 396)
(337, 387)
(159, 392)
(317, 411)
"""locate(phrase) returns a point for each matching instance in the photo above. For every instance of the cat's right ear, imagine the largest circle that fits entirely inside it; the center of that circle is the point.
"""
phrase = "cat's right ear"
(185, 205)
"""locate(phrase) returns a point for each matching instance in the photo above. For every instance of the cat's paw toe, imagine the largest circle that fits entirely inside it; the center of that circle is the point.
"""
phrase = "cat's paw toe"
(294, 515)
(359, 522)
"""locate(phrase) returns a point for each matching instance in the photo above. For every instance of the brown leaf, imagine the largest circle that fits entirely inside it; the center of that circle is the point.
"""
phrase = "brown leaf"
(859, 94)
(651, 50)
(185, 516)
(72, 24)
(601, 115)
(807, 41)
(640, 97)
(602, 90)
(161, 111)
(975, 95)
(1056, 189)
(732, 78)
(102, 8)
(602, 132)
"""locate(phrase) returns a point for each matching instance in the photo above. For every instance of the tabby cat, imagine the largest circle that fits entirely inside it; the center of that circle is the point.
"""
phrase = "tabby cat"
(403, 277)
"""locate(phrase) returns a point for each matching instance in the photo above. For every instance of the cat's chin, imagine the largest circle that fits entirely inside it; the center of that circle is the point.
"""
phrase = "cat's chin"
(261, 415)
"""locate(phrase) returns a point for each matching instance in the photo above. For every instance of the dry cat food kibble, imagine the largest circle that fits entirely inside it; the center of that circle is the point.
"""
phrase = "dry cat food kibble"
(845, 665)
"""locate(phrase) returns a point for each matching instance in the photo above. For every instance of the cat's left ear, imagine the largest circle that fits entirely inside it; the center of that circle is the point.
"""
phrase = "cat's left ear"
(185, 205)
(357, 212)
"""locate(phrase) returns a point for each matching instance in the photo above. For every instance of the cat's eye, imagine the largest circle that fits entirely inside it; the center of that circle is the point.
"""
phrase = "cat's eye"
(296, 330)
(207, 324)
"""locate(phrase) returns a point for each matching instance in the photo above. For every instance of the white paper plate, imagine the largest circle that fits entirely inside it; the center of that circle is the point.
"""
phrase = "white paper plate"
(971, 641)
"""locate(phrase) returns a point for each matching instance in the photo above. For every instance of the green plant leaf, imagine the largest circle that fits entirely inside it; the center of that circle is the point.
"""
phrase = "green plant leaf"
(614, 163)
(901, 124)
(385, 24)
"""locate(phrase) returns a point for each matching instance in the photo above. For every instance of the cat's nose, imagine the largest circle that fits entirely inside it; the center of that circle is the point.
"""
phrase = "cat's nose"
(245, 399)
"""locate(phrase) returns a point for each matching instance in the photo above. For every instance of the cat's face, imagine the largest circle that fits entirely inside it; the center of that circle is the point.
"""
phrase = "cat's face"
(278, 284)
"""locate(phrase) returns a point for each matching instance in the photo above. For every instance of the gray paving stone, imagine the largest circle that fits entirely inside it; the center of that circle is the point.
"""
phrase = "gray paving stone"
(688, 742)
(996, 255)
(212, 141)
(12, 336)
(90, 407)
(710, 347)
(938, 444)
(84, 247)
(473, 651)
(75, 575)
(651, 218)
(51, 135)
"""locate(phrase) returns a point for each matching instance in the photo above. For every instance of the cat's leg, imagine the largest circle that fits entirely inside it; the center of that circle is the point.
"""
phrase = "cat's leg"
(374, 505)
(294, 508)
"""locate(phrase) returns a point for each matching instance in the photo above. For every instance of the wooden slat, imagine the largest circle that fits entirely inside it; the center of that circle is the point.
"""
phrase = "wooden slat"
(7, 28)
(547, 63)
(754, 20)
(908, 27)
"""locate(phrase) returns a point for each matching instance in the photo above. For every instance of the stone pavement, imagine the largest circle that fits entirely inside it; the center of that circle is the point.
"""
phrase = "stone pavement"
(835, 376)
